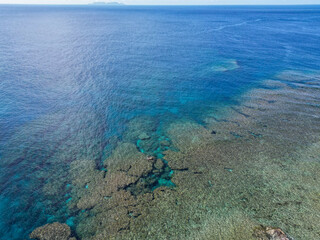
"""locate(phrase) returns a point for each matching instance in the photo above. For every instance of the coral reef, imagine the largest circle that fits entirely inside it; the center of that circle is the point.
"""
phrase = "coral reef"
(256, 165)
(53, 231)
(110, 200)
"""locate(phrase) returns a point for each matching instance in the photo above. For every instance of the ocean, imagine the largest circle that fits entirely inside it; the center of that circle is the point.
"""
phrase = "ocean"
(94, 87)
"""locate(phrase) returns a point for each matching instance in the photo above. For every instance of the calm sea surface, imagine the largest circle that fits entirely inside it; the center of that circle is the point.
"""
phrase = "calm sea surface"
(72, 77)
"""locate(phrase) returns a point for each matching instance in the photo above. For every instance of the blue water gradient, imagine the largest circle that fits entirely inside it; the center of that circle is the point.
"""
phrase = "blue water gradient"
(72, 77)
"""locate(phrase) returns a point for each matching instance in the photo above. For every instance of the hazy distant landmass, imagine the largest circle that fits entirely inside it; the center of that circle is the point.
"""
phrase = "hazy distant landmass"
(107, 3)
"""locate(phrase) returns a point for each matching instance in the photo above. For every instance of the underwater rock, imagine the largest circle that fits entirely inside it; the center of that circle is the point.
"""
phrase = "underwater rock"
(276, 234)
(144, 136)
(151, 158)
(269, 233)
(52, 231)
(159, 164)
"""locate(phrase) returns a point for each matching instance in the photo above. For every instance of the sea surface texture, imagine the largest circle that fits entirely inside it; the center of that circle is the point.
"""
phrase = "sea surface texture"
(129, 122)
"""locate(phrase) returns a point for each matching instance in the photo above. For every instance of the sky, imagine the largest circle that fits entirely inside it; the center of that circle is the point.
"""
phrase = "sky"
(169, 2)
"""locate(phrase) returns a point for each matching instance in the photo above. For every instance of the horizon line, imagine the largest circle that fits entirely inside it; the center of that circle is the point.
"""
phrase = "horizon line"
(123, 4)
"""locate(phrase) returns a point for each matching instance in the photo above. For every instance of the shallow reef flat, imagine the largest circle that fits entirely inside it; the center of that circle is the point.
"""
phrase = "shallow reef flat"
(254, 167)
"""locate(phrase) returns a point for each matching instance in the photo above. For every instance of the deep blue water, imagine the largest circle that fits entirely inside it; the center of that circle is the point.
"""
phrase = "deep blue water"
(71, 77)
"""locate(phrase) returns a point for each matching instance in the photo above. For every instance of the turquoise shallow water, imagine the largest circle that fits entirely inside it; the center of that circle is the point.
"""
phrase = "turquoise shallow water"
(73, 79)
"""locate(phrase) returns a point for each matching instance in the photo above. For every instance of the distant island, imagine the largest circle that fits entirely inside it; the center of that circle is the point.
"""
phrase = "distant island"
(107, 3)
